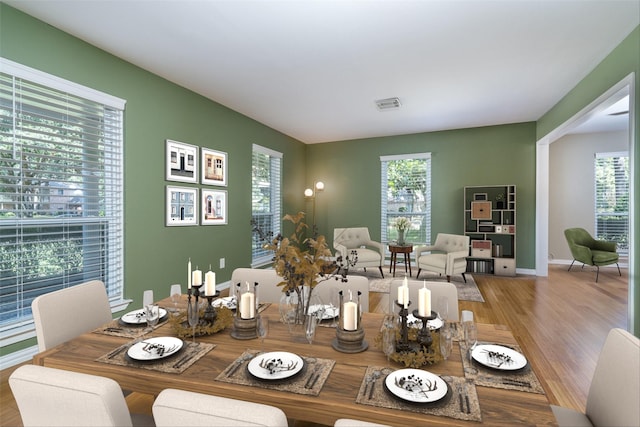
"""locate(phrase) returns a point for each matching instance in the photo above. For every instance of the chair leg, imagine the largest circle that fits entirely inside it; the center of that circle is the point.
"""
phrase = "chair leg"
(597, 272)
(571, 265)
(448, 278)
(464, 278)
(381, 273)
(419, 270)
(619, 272)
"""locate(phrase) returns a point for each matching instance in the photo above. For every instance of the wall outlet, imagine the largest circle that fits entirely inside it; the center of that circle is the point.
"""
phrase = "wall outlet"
(221, 262)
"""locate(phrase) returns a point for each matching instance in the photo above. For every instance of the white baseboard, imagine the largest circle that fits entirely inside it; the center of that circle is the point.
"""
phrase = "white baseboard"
(18, 357)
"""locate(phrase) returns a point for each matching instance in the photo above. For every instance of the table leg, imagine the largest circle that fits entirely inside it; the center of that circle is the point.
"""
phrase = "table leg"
(394, 261)
(407, 261)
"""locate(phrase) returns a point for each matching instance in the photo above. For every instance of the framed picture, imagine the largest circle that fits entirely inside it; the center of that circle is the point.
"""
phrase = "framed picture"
(214, 207)
(479, 196)
(182, 162)
(182, 206)
(214, 167)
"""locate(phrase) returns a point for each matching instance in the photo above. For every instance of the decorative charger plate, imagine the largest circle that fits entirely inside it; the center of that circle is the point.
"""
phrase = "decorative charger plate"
(498, 357)
(137, 317)
(330, 312)
(229, 302)
(416, 385)
(276, 365)
(155, 348)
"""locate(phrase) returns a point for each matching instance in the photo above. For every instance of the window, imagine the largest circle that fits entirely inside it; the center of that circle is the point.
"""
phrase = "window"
(266, 208)
(612, 198)
(406, 191)
(60, 191)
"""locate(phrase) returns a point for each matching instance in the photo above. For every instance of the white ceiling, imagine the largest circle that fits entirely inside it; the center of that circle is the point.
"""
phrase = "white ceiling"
(313, 69)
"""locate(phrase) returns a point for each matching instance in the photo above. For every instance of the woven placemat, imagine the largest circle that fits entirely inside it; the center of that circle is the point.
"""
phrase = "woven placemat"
(461, 401)
(117, 328)
(308, 381)
(522, 379)
(175, 364)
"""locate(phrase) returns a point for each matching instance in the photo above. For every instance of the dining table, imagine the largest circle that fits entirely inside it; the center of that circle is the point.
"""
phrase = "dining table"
(332, 385)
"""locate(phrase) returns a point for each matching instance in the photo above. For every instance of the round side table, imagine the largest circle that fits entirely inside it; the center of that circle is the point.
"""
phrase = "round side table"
(405, 249)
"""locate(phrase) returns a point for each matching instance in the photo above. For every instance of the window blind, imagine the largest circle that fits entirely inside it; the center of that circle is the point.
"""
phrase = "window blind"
(61, 178)
(266, 209)
(406, 192)
(612, 198)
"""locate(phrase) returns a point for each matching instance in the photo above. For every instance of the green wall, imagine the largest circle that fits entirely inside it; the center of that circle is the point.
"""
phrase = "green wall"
(156, 255)
(622, 61)
(491, 155)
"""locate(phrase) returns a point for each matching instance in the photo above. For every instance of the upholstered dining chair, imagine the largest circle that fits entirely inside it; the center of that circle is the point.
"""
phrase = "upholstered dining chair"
(64, 314)
(587, 250)
(446, 256)
(185, 408)
(614, 392)
(54, 397)
(438, 290)
(267, 279)
(355, 244)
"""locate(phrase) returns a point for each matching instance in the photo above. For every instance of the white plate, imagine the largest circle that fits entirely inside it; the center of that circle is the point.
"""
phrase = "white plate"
(137, 317)
(276, 365)
(329, 311)
(414, 322)
(498, 357)
(416, 385)
(155, 348)
(229, 302)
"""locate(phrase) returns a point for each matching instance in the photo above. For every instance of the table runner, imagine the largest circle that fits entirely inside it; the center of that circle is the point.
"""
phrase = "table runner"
(309, 381)
(523, 379)
(175, 364)
(462, 405)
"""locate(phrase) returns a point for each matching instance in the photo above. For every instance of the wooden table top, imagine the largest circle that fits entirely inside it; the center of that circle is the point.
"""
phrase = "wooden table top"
(337, 398)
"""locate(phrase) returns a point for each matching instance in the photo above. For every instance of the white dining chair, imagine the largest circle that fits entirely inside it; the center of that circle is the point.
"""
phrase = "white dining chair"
(267, 279)
(614, 392)
(173, 408)
(353, 284)
(64, 314)
(439, 290)
(54, 397)
(347, 422)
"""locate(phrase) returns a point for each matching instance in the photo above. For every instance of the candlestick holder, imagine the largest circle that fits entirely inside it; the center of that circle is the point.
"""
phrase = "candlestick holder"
(424, 335)
(196, 292)
(210, 313)
(350, 340)
(404, 345)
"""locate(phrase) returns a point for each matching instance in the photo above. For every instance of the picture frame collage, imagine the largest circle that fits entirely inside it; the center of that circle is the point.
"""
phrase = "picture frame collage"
(183, 205)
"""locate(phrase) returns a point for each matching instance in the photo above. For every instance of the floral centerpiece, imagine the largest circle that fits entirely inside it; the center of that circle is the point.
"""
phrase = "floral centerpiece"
(302, 262)
(401, 224)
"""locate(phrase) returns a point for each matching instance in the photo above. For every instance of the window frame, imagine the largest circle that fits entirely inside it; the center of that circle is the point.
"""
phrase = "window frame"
(623, 249)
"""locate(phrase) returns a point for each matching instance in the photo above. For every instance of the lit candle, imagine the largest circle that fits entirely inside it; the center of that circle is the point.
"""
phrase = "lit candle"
(350, 310)
(189, 274)
(210, 283)
(424, 301)
(247, 304)
(197, 277)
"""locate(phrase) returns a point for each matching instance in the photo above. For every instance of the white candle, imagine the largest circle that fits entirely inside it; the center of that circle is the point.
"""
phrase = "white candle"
(189, 274)
(405, 293)
(247, 305)
(350, 310)
(197, 278)
(424, 301)
(210, 283)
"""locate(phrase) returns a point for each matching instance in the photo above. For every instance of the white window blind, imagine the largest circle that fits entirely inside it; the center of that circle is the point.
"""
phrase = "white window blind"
(406, 192)
(612, 198)
(266, 209)
(61, 178)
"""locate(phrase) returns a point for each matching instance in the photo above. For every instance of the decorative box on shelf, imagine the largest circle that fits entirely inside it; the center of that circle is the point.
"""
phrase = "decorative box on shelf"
(504, 266)
(481, 248)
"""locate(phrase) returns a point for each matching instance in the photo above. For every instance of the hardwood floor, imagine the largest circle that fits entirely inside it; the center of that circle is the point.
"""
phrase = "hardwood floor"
(560, 321)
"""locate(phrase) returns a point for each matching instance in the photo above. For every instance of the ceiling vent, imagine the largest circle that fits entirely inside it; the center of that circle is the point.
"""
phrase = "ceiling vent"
(388, 104)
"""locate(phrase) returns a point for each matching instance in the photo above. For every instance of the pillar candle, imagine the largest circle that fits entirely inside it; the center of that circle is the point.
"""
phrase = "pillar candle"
(189, 274)
(424, 301)
(247, 305)
(350, 310)
(197, 277)
(210, 283)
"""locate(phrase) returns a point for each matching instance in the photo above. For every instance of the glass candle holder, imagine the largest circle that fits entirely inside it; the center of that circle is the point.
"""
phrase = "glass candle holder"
(350, 311)
(246, 301)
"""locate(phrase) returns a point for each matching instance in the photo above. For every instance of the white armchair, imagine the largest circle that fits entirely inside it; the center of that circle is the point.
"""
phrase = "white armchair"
(447, 256)
(356, 244)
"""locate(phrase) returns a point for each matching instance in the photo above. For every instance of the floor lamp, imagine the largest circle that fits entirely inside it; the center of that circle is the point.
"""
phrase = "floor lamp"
(310, 193)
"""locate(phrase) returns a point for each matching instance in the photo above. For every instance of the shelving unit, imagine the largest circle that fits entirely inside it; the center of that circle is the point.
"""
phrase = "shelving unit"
(490, 223)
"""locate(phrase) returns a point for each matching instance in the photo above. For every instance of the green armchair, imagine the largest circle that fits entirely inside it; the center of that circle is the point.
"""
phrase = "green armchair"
(590, 251)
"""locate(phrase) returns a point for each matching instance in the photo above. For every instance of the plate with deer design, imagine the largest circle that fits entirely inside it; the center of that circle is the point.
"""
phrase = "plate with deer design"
(416, 385)
(498, 357)
(276, 365)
